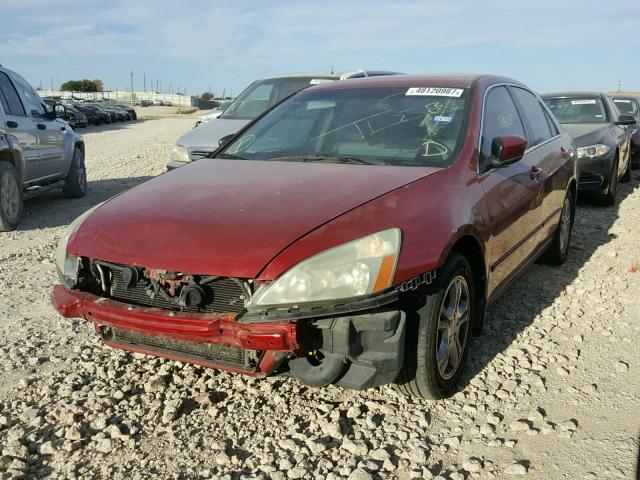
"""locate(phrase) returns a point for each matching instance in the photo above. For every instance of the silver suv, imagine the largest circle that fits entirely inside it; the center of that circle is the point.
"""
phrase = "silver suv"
(39, 151)
(252, 102)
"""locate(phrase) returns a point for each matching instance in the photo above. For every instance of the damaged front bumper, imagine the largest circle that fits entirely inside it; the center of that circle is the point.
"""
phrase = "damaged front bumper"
(370, 343)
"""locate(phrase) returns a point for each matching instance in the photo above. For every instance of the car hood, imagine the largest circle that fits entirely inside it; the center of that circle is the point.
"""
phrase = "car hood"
(229, 217)
(585, 134)
(207, 135)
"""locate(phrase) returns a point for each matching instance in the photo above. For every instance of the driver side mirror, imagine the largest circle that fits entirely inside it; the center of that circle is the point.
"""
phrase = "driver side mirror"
(224, 140)
(507, 150)
(626, 120)
(60, 110)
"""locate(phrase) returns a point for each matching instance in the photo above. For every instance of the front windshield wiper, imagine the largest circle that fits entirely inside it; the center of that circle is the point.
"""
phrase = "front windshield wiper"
(324, 158)
(229, 155)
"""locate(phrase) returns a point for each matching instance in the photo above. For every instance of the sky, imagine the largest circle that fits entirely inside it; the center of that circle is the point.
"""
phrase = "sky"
(224, 45)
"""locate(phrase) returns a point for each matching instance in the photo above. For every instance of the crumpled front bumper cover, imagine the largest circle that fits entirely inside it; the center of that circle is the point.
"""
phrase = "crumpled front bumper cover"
(274, 339)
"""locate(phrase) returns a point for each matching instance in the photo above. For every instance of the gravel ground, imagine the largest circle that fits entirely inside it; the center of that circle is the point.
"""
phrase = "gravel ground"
(552, 392)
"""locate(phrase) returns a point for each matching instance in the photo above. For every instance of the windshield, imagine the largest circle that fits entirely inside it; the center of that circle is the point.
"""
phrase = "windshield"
(263, 94)
(626, 106)
(382, 126)
(577, 109)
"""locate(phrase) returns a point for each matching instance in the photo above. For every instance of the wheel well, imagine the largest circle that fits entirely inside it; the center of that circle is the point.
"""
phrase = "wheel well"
(7, 156)
(472, 251)
(80, 145)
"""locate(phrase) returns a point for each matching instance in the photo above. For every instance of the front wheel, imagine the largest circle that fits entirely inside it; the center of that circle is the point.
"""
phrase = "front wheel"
(438, 347)
(558, 250)
(75, 185)
(11, 202)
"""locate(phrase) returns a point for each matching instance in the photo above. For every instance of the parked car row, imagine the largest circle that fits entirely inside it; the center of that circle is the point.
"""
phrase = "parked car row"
(81, 114)
(353, 233)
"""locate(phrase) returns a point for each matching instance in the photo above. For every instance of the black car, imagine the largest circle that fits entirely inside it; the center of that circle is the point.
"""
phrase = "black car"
(75, 117)
(602, 139)
(94, 115)
(127, 108)
(113, 115)
(120, 116)
(630, 105)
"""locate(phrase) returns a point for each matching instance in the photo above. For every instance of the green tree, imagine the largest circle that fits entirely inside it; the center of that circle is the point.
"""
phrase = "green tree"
(207, 96)
(81, 85)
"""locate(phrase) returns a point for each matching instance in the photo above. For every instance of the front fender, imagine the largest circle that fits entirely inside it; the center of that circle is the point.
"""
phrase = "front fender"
(72, 139)
(15, 150)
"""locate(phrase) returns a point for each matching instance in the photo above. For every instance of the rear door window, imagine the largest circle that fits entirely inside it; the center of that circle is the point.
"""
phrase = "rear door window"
(10, 100)
(533, 111)
(501, 118)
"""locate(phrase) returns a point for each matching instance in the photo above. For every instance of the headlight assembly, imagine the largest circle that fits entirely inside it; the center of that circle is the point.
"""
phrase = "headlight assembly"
(360, 267)
(180, 153)
(66, 264)
(593, 151)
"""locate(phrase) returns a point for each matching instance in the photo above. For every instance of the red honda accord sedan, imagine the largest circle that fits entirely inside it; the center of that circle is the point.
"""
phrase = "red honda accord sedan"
(353, 234)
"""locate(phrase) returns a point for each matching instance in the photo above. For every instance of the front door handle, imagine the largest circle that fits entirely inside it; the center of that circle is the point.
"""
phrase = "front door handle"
(64, 129)
(41, 126)
(536, 172)
(12, 124)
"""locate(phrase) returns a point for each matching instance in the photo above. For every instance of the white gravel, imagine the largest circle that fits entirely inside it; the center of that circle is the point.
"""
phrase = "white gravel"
(553, 389)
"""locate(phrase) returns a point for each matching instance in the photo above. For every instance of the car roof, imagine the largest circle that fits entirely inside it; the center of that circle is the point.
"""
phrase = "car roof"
(333, 75)
(443, 80)
(624, 96)
(572, 94)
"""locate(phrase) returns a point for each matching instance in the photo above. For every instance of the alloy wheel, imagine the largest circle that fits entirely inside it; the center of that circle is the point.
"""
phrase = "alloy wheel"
(453, 327)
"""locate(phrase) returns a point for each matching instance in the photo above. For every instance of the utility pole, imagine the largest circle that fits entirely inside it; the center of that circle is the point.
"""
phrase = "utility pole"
(144, 82)
(619, 86)
(160, 85)
(131, 84)
(157, 85)
(51, 78)
(170, 88)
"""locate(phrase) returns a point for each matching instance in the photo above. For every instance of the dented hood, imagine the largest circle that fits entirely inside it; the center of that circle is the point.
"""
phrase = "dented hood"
(229, 217)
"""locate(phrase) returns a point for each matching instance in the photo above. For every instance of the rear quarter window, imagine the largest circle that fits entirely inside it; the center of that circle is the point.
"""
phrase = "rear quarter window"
(9, 96)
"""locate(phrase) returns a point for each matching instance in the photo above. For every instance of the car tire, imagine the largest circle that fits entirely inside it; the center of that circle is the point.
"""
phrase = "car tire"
(75, 184)
(11, 199)
(558, 250)
(609, 199)
(429, 370)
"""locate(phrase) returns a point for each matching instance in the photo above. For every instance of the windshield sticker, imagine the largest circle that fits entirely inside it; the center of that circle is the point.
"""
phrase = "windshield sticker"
(435, 91)
(435, 108)
(583, 102)
(440, 118)
(505, 121)
(316, 81)
(622, 101)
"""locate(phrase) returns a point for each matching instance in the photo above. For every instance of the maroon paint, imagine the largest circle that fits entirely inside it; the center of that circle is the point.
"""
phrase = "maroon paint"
(258, 219)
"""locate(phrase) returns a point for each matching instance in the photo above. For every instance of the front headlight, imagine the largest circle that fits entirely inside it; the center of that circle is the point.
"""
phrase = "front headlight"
(66, 264)
(180, 153)
(593, 151)
(356, 268)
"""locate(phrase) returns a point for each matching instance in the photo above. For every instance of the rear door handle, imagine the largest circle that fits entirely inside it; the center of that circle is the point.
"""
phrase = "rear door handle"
(41, 126)
(12, 124)
(536, 172)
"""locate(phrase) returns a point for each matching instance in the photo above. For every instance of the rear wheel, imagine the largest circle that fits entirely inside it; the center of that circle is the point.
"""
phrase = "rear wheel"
(75, 185)
(608, 199)
(558, 250)
(438, 347)
(11, 202)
